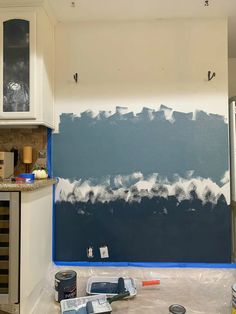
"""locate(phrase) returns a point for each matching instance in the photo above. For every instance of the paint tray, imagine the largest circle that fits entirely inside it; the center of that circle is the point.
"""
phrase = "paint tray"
(86, 305)
(111, 286)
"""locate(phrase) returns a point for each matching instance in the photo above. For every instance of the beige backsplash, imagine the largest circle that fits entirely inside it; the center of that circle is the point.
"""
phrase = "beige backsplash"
(20, 137)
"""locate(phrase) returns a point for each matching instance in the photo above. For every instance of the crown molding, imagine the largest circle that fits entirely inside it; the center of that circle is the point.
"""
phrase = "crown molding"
(30, 4)
(21, 3)
(48, 9)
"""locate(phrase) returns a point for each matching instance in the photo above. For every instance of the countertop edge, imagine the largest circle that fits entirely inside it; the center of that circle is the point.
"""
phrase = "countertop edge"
(26, 187)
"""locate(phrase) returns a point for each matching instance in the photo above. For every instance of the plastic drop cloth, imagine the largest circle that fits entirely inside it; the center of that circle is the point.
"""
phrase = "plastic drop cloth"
(200, 291)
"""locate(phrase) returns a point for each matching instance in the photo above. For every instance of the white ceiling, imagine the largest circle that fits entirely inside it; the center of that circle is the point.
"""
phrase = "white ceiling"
(90, 10)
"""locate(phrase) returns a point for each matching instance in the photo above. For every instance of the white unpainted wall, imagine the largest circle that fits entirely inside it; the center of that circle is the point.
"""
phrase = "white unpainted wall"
(142, 63)
(232, 77)
(138, 64)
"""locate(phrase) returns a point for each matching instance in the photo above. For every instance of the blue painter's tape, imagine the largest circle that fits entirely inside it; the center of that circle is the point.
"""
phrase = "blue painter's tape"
(92, 264)
(49, 152)
(50, 173)
(29, 177)
(184, 265)
(53, 221)
(148, 265)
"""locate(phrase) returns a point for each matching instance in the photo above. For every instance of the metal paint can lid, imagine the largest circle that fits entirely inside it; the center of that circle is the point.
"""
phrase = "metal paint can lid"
(234, 287)
(65, 275)
(177, 309)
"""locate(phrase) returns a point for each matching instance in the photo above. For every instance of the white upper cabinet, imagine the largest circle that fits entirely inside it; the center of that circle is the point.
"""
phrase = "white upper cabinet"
(18, 57)
(26, 67)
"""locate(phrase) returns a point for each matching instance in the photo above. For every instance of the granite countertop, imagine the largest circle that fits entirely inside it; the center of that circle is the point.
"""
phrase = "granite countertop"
(7, 185)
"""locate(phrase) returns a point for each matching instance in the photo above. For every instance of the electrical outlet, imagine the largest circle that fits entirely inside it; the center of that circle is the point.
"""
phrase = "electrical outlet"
(90, 252)
(104, 251)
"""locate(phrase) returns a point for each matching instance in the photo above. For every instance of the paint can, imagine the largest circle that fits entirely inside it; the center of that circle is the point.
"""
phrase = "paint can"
(177, 309)
(234, 299)
(65, 285)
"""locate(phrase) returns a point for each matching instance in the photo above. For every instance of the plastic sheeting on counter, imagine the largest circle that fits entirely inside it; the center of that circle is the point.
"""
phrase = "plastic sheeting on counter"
(200, 291)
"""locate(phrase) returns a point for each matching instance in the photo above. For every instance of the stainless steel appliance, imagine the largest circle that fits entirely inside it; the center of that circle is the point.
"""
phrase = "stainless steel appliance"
(9, 247)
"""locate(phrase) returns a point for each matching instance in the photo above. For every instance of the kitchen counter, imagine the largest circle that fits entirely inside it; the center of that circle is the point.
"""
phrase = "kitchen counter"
(7, 185)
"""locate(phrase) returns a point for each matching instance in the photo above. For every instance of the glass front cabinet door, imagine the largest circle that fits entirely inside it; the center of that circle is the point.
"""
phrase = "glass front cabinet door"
(17, 66)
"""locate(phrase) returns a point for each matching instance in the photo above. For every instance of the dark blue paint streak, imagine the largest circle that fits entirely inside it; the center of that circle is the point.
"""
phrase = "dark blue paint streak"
(143, 232)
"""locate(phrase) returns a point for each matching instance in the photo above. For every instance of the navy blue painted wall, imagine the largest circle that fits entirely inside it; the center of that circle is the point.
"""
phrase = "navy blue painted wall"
(107, 160)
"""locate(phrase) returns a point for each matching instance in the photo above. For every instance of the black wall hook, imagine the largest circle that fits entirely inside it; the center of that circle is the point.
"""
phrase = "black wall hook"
(76, 77)
(211, 75)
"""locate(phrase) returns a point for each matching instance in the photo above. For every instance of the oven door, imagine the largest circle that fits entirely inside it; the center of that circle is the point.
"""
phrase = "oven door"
(9, 247)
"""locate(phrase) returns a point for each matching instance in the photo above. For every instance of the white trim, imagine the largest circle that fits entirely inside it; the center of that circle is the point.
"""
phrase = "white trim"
(24, 123)
(50, 13)
(21, 3)
(29, 4)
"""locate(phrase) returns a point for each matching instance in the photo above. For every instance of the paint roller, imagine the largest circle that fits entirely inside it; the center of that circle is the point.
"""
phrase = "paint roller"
(89, 308)
(145, 283)
(121, 285)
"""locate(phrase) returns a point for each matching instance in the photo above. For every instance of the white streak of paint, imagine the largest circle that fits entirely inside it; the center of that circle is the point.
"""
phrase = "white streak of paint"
(151, 186)
(226, 178)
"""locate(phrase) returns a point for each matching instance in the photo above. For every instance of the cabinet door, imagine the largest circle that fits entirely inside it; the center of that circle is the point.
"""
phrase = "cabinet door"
(17, 66)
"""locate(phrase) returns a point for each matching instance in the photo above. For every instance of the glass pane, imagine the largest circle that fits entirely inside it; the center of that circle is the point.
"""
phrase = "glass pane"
(16, 66)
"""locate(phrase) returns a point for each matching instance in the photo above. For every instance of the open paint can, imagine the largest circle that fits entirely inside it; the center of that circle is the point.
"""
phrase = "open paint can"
(177, 309)
(65, 285)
